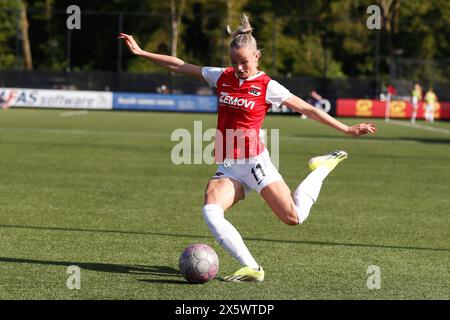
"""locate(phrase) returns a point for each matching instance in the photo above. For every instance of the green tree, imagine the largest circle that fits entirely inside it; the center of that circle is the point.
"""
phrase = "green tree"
(9, 25)
(320, 38)
(292, 35)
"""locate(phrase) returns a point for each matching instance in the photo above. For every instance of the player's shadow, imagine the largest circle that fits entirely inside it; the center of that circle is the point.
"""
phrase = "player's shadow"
(197, 237)
(157, 271)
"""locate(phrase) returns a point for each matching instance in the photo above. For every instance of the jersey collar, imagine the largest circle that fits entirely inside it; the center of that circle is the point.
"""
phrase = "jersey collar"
(241, 81)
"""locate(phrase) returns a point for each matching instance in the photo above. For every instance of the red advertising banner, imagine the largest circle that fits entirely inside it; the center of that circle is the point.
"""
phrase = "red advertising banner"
(376, 109)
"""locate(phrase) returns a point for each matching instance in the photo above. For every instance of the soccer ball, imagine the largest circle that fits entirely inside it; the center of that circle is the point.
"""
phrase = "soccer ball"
(199, 263)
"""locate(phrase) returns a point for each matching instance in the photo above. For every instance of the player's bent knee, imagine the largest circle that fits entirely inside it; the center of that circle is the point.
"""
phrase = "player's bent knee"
(210, 197)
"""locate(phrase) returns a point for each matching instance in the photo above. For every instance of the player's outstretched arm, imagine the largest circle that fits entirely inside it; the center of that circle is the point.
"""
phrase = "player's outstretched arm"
(168, 62)
(301, 106)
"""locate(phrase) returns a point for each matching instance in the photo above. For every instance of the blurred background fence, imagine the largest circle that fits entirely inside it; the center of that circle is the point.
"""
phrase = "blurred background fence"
(328, 48)
(154, 83)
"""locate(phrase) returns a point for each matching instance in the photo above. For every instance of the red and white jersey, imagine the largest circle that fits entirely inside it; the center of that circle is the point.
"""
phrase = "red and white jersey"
(242, 107)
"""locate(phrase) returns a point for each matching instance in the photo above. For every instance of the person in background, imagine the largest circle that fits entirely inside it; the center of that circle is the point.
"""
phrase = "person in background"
(390, 92)
(6, 101)
(430, 105)
(314, 100)
(390, 89)
(416, 94)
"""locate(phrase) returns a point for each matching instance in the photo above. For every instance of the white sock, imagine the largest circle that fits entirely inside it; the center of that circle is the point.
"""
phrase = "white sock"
(308, 191)
(227, 235)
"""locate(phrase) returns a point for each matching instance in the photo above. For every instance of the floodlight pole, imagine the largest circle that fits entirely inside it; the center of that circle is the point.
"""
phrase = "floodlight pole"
(377, 60)
(69, 51)
(119, 44)
(274, 45)
(18, 41)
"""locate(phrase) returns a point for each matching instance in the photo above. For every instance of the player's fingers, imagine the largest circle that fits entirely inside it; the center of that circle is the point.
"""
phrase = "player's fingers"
(130, 41)
(125, 36)
(371, 129)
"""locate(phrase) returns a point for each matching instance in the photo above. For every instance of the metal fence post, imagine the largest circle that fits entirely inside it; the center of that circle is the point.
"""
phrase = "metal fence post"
(377, 61)
(274, 45)
(119, 43)
(18, 41)
(69, 50)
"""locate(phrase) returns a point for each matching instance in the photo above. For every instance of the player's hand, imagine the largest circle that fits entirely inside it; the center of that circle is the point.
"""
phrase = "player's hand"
(361, 129)
(131, 43)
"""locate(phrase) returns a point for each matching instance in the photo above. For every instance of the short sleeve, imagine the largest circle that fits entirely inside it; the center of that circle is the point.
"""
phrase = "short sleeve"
(276, 94)
(211, 75)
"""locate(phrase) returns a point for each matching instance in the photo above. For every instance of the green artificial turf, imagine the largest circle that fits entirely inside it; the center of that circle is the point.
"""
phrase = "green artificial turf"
(99, 190)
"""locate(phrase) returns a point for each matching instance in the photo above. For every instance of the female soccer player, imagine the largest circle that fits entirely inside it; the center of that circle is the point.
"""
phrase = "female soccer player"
(245, 95)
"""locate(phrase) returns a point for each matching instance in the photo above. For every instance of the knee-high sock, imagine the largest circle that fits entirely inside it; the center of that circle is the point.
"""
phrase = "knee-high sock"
(227, 235)
(308, 191)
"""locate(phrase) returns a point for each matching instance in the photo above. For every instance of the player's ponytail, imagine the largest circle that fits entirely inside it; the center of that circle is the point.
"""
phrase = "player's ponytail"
(242, 36)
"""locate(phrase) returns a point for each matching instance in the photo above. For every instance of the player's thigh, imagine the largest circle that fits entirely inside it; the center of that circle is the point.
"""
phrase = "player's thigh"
(278, 197)
(224, 192)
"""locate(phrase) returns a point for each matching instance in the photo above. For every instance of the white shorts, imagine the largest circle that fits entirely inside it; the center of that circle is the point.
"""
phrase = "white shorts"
(253, 173)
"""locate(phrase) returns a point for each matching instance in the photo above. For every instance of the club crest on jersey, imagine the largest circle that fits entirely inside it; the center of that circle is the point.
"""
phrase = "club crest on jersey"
(255, 92)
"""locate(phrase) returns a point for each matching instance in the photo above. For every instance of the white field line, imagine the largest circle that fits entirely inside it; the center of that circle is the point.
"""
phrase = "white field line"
(73, 113)
(419, 126)
(84, 132)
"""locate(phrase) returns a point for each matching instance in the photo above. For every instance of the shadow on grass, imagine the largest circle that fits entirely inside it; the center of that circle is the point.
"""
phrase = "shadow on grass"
(160, 271)
(181, 235)
(165, 281)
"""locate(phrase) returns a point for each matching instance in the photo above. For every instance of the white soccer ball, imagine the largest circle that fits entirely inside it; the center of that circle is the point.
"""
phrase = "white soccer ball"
(199, 263)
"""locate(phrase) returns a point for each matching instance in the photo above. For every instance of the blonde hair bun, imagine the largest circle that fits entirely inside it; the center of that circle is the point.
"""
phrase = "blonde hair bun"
(242, 36)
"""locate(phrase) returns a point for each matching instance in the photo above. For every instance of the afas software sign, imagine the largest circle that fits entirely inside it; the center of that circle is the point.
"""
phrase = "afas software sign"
(61, 99)
(101, 100)
(376, 109)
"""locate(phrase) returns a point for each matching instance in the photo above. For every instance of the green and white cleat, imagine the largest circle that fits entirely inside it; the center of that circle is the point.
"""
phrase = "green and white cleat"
(330, 160)
(246, 274)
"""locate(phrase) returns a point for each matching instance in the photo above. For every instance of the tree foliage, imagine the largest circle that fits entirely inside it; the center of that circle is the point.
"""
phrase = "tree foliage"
(9, 28)
(321, 38)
